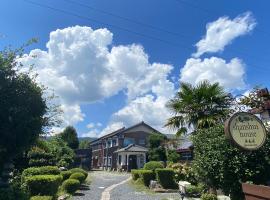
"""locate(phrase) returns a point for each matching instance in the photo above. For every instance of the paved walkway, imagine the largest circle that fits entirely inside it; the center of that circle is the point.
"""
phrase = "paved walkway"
(115, 186)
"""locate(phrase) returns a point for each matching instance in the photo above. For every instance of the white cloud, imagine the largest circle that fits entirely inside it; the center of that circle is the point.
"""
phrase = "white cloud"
(222, 31)
(113, 126)
(229, 74)
(90, 125)
(81, 68)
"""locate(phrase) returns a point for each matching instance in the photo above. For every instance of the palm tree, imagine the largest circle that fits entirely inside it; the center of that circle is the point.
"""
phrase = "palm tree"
(199, 106)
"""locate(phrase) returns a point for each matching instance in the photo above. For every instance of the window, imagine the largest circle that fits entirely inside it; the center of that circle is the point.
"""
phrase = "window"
(186, 155)
(119, 159)
(114, 142)
(104, 161)
(109, 161)
(142, 141)
(128, 141)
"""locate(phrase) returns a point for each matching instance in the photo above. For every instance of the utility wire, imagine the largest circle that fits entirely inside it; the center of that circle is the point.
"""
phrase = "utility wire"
(107, 24)
(126, 19)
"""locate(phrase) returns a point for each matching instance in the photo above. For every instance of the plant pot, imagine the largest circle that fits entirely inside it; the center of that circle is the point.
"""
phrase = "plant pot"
(256, 192)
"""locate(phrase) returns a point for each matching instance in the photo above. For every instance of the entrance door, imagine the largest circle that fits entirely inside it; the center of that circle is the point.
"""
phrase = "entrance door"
(132, 162)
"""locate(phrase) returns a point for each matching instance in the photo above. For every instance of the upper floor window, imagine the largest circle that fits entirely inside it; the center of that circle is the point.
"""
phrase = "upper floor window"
(128, 141)
(142, 141)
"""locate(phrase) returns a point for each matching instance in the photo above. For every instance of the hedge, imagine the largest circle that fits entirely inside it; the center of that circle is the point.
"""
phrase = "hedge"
(147, 176)
(135, 174)
(153, 165)
(207, 196)
(43, 184)
(41, 198)
(45, 170)
(78, 176)
(74, 170)
(166, 178)
(66, 174)
(71, 185)
(194, 191)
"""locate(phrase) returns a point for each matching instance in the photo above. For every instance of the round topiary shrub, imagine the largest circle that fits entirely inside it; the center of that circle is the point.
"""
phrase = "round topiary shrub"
(66, 174)
(74, 170)
(153, 165)
(207, 196)
(43, 184)
(41, 198)
(71, 185)
(78, 176)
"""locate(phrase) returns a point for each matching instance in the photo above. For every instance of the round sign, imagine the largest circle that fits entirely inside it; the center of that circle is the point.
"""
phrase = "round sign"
(246, 130)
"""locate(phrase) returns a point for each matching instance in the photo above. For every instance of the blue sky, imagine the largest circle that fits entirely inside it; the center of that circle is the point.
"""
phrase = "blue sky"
(123, 60)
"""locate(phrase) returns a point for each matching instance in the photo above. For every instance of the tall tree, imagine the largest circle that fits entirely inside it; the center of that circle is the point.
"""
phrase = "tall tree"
(199, 106)
(70, 136)
(157, 150)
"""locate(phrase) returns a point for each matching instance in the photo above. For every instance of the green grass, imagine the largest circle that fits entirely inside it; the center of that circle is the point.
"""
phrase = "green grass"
(140, 187)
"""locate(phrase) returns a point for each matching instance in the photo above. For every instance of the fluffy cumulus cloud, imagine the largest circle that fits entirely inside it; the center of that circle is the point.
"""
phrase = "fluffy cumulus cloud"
(81, 66)
(229, 74)
(222, 31)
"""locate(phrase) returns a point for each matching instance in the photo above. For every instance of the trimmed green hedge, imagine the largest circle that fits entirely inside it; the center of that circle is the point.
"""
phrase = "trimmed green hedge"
(71, 185)
(146, 176)
(207, 196)
(41, 198)
(75, 170)
(194, 191)
(153, 165)
(135, 174)
(166, 178)
(45, 170)
(66, 174)
(43, 184)
(78, 176)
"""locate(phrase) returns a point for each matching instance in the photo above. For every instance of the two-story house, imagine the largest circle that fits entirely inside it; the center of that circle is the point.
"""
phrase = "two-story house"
(123, 149)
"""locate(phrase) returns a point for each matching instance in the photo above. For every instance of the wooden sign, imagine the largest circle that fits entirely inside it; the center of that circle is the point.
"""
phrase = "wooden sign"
(246, 131)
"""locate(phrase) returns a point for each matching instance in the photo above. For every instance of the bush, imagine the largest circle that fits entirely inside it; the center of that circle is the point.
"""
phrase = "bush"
(135, 174)
(153, 165)
(12, 194)
(146, 176)
(41, 198)
(78, 176)
(66, 174)
(173, 156)
(209, 197)
(74, 170)
(43, 184)
(71, 185)
(166, 178)
(194, 191)
(46, 170)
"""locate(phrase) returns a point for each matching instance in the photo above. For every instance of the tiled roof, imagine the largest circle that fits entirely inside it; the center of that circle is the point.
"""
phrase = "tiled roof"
(132, 148)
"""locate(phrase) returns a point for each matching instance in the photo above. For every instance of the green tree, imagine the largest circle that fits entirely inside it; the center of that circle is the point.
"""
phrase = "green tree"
(23, 109)
(69, 135)
(84, 144)
(221, 165)
(173, 156)
(157, 151)
(199, 106)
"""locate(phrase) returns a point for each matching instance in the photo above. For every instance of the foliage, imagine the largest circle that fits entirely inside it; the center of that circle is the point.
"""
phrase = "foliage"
(41, 198)
(78, 176)
(71, 185)
(221, 165)
(66, 174)
(199, 106)
(13, 193)
(153, 165)
(135, 174)
(70, 136)
(23, 107)
(39, 157)
(45, 170)
(166, 178)
(146, 176)
(173, 156)
(74, 170)
(84, 144)
(195, 190)
(43, 184)
(207, 196)
(157, 151)
(183, 172)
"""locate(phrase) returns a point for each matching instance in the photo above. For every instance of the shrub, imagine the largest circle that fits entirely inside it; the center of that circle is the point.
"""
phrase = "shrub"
(183, 172)
(173, 156)
(71, 185)
(153, 165)
(66, 174)
(41, 198)
(135, 174)
(78, 176)
(166, 178)
(209, 197)
(146, 176)
(74, 170)
(194, 191)
(12, 194)
(43, 184)
(46, 170)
